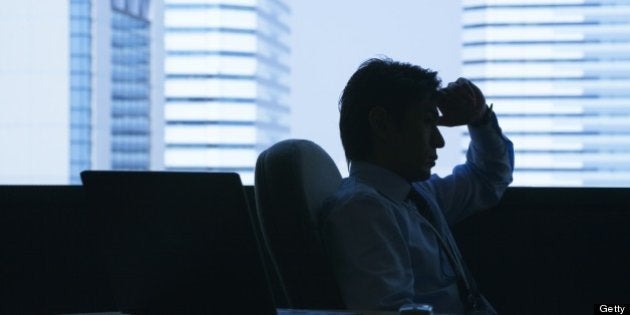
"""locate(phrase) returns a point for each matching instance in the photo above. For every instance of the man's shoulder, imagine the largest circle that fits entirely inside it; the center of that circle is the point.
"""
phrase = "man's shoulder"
(353, 190)
(353, 193)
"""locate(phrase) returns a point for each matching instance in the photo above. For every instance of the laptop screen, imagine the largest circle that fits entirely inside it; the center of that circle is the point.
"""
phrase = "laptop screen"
(178, 242)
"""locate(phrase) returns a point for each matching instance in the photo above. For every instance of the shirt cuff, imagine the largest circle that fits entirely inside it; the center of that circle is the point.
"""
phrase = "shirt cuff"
(488, 135)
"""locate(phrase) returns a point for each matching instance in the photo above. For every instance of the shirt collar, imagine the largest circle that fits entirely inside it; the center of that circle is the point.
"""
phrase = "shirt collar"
(385, 181)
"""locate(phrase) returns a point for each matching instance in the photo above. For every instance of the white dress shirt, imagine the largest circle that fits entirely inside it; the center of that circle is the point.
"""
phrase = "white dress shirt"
(384, 252)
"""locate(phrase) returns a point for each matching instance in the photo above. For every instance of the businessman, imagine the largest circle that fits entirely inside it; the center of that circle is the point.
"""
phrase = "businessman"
(387, 227)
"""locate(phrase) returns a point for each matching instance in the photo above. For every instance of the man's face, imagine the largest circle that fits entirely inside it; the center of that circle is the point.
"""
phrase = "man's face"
(415, 142)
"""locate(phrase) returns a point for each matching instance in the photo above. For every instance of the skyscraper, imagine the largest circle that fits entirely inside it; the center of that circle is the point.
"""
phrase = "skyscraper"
(128, 85)
(226, 84)
(131, 87)
(81, 88)
(558, 73)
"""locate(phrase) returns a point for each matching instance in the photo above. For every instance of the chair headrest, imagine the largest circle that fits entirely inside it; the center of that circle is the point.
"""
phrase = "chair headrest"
(300, 170)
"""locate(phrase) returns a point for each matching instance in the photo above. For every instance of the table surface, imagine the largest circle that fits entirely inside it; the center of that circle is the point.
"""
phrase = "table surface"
(284, 311)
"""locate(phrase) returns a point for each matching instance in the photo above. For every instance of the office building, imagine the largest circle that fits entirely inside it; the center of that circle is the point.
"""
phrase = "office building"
(558, 73)
(226, 84)
(81, 88)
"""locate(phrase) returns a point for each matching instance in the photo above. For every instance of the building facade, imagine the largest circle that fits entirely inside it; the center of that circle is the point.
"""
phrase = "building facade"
(128, 100)
(558, 73)
(84, 88)
(227, 83)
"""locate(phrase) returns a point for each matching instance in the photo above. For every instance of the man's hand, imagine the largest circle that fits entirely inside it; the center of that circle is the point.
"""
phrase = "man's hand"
(461, 103)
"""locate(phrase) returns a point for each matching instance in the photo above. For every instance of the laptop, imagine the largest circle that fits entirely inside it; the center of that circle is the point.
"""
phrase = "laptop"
(178, 242)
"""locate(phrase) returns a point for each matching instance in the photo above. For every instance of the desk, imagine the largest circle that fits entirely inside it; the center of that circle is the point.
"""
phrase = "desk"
(284, 311)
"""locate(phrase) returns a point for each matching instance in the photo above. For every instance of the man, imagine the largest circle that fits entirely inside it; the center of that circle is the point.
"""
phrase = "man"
(387, 227)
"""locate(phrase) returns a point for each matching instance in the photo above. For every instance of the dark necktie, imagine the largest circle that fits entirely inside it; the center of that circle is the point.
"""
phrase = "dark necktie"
(468, 287)
(421, 205)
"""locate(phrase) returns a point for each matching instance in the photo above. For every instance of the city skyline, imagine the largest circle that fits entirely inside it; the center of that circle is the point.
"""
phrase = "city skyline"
(205, 85)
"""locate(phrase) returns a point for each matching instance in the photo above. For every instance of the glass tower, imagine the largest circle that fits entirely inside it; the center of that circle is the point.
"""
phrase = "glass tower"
(226, 85)
(110, 86)
(558, 73)
(130, 83)
(80, 87)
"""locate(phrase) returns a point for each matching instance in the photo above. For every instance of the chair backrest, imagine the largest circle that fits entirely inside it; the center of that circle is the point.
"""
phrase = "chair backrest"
(293, 178)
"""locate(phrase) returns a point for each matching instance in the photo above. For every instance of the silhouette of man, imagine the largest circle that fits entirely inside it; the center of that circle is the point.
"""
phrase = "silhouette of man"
(387, 226)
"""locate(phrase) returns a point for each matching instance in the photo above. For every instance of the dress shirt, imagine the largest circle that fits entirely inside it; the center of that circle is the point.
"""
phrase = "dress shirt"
(383, 250)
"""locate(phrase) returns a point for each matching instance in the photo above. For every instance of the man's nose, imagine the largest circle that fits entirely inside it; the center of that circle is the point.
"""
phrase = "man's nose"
(438, 140)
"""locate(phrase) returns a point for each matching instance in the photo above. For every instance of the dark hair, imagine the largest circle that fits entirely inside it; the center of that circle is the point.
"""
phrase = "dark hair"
(392, 85)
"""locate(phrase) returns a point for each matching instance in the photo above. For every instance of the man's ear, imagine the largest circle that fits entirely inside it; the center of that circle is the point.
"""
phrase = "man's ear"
(379, 123)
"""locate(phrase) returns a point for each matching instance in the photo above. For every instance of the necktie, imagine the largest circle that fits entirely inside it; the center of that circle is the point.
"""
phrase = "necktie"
(421, 205)
(468, 287)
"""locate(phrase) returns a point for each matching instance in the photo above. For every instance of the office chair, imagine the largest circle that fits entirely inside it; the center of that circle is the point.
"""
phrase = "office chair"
(293, 178)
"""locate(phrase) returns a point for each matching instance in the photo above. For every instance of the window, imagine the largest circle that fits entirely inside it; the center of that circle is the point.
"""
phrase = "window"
(205, 85)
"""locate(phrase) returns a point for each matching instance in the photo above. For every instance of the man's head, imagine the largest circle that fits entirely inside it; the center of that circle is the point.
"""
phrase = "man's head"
(389, 116)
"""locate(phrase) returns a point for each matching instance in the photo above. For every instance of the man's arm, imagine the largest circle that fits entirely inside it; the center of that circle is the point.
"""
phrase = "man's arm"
(481, 181)
(371, 260)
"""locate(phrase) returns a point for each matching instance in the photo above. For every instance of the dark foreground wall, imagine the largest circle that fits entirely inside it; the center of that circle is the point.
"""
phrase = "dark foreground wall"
(551, 250)
(48, 254)
(540, 251)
